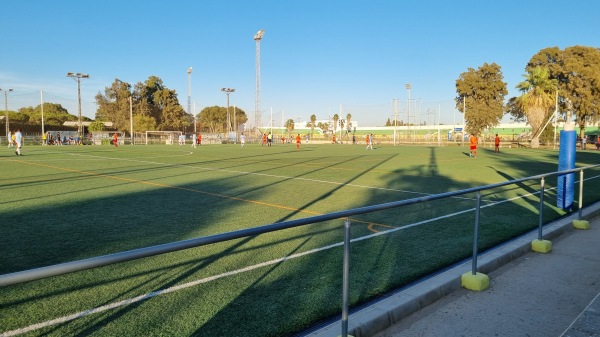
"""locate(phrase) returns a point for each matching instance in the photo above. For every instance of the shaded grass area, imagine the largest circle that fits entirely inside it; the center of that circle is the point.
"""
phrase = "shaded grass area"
(75, 202)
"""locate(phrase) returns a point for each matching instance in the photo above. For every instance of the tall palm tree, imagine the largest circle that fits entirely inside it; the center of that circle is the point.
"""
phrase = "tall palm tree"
(537, 98)
(336, 117)
(289, 125)
(349, 119)
(313, 120)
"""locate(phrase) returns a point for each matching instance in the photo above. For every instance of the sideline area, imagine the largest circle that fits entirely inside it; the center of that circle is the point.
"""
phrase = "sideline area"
(530, 294)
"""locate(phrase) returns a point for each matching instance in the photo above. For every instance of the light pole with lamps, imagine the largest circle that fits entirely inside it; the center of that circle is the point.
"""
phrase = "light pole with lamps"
(228, 91)
(6, 92)
(77, 77)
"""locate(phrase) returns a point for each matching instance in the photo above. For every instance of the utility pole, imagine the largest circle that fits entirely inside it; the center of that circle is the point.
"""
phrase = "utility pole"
(6, 92)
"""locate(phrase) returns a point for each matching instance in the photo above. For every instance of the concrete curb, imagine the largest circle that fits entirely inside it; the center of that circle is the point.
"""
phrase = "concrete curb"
(391, 310)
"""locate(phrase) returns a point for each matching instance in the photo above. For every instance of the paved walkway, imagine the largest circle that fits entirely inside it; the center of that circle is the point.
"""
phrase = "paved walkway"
(530, 294)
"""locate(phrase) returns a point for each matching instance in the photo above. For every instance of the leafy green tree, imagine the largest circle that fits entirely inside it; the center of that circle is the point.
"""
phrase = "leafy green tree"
(113, 106)
(388, 122)
(577, 71)
(513, 108)
(54, 115)
(213, 119)
(336, 117)
(143, 123)
(538, 96)
(96, 126)
(313, 120)
(323, 126)
(289, 125)
(481, 91)
(150, 100)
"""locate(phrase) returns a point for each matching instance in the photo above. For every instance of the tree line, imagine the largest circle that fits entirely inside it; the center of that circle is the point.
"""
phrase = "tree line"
(567, 80)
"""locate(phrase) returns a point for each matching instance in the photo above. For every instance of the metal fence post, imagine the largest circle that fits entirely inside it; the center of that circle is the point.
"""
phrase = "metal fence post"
(346, 278)
(476, 234)
(580, 194)
(541, 221)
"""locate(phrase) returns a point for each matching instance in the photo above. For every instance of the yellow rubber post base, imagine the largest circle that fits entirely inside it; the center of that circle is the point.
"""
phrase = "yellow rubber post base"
(541, 246)
(581, 224)
(477, 282)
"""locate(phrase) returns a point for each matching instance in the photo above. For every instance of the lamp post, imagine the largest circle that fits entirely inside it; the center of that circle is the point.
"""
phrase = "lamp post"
(6, 92)
(189, 102)
(408, 87)
(228, 91)
(77, 77)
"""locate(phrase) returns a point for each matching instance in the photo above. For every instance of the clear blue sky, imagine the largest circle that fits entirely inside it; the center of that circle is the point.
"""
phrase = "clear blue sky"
(316, 55)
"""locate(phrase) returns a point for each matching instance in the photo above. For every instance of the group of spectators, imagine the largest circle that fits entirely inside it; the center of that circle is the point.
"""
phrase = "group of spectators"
(49, 139)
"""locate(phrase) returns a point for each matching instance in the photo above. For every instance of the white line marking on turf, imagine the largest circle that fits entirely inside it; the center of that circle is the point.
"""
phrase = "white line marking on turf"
(269, 175)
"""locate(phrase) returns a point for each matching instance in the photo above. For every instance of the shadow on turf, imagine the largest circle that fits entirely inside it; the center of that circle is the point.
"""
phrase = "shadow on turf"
(402, 253)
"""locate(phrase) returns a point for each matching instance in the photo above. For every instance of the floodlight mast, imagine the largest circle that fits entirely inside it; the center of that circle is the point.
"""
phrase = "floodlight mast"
(6, 92)
(77, 77)
(228, 91)
(257, 113)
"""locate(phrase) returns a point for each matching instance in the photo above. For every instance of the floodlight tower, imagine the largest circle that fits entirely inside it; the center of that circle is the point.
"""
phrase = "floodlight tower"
(77, 77)
(6, 92)
(228, 91)
(257, 113)
(189, 105)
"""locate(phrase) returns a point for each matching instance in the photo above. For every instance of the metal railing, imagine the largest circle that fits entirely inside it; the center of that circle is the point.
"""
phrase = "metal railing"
(99, 261)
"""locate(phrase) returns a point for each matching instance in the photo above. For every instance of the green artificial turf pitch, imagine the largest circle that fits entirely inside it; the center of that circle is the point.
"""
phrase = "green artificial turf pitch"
(61, 204)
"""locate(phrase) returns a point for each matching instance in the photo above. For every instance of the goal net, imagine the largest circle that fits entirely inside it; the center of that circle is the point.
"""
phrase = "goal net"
(162, 137)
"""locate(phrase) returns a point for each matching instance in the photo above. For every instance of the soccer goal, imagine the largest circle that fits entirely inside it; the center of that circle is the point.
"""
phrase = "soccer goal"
(162, 137)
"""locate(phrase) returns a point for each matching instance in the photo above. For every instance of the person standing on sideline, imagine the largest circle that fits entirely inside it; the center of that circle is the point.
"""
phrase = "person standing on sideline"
(497, 144)
(115, 140)
(264, 139)
(199, 139)
(473, 147)
(9, 139)
(583, 143)
(367, 140)
(193, 137)
(18, 141)
(298, 139)
(243, 139)
(333, 139)
(269, 139)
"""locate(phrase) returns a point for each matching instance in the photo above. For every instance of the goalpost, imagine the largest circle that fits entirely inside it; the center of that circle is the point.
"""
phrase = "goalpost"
(162, 137)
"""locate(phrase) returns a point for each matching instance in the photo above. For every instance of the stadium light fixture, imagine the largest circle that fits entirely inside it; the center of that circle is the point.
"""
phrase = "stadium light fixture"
(77, 77)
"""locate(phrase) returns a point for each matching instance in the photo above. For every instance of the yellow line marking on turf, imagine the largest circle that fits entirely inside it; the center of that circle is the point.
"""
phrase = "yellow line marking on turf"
(262, 203)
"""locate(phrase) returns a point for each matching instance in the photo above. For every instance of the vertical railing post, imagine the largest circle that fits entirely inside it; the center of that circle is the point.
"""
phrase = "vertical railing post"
(580, 194)
(541, 212)
(346, 278)
(476, 234)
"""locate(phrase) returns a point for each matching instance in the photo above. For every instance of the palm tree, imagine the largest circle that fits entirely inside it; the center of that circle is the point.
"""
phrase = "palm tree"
(335, 122)
(313, 120)
(349, 121)
(289, 125)
(537, 98)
